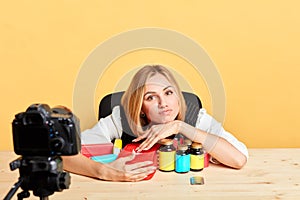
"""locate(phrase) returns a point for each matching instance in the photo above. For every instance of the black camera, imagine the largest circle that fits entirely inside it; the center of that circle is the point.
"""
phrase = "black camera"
(41, 135)
(42, 131)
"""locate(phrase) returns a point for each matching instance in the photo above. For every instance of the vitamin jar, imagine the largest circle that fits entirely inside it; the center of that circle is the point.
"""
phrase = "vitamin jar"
(197, 157)
(166, 154)
(182, 159)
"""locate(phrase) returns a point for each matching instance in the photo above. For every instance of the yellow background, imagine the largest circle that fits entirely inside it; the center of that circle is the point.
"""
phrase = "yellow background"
(255, 46)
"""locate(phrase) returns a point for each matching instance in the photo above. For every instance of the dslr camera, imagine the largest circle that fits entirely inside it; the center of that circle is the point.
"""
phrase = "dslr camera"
(41, 135)
(42, 131)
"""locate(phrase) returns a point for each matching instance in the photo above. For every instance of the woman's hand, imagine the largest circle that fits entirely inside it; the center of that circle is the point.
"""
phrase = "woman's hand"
(156, 133)
(118, 170)
(114, 171)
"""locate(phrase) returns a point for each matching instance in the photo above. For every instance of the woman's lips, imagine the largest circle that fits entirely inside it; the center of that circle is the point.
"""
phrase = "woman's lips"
(165, 112)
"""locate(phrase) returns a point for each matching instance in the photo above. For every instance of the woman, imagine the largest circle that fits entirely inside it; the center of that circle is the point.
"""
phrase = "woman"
(155, 109)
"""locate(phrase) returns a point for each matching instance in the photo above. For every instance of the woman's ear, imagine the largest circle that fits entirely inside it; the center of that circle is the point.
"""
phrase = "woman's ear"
(142, 114)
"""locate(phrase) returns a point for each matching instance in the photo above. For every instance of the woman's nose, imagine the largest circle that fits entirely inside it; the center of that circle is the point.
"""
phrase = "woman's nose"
(162, 102)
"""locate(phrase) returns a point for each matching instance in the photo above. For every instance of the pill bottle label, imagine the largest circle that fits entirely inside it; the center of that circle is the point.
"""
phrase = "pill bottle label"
(182, 163)
(167, 161)
(197, 162)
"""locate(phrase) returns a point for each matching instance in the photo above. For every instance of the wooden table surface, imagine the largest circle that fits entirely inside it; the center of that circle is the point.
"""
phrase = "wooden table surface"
(269, 174)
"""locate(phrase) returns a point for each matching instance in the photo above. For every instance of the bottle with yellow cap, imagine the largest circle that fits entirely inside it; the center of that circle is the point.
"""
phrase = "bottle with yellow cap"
(166, 155)
(197, 157)
(117, 146)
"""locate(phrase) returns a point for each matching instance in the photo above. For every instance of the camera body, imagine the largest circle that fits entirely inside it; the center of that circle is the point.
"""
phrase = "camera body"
(42, 131)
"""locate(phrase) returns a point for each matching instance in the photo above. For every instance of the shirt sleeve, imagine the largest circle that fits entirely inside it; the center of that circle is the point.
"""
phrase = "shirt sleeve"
(207, 123)
(105, 130)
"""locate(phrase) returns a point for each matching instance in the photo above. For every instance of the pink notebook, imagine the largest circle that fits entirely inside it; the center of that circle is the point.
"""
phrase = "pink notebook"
(90, 150)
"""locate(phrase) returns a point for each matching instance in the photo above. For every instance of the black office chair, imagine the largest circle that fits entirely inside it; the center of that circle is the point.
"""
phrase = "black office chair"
(109, 101)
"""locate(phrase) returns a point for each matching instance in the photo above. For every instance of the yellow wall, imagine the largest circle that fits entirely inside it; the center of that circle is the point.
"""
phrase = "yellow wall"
(254, 45)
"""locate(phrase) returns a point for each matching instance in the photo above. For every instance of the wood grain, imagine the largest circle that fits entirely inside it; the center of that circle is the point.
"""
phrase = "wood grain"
(269, 174)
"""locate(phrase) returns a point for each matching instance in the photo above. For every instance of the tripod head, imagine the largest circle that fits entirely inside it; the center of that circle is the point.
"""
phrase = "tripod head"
(42, 175)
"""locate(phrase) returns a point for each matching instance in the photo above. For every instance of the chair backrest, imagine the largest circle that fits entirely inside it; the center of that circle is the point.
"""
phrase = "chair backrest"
(109, 101)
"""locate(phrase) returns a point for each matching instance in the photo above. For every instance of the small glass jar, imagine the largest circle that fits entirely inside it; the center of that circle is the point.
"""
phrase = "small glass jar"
(178, 140)
(188, 143)
(166, 155)
(197, 157)
(182, 162)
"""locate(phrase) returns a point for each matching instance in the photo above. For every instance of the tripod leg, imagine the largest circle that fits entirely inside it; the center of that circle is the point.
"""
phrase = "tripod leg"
(13, 189)
(23, 194)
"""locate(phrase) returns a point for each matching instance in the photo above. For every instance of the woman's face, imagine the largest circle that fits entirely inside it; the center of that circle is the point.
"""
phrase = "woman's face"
(160, 101)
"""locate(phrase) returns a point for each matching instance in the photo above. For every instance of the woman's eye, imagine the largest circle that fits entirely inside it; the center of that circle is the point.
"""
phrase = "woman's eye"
(169, 92)
(149, 98)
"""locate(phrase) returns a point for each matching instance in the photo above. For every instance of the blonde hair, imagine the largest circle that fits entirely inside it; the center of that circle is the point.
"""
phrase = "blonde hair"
(132, 99)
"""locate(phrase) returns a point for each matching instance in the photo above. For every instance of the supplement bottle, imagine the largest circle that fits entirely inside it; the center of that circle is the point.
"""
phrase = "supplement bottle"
(166, 154)
(182, 159)
(197, 157)
(188, 143)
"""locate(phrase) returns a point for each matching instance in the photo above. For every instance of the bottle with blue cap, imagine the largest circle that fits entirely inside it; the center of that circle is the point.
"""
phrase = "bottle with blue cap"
(182, 159)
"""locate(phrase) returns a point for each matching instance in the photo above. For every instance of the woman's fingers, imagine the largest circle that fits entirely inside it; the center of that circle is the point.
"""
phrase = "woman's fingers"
(156, 133)
(148, 143)
(138, 171)
(140, 138)
(128, 158)
(135, 172)
(138, 165)
(130, 172)
(153, 136)
(130, 176)
(135, 169)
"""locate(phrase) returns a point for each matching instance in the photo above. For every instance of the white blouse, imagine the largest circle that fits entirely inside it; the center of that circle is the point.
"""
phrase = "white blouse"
(110, 128)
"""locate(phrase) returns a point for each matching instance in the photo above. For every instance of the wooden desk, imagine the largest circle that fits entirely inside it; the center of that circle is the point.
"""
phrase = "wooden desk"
(269, 174)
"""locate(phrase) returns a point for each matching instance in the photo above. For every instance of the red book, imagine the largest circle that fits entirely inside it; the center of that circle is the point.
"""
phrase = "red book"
(147, 155)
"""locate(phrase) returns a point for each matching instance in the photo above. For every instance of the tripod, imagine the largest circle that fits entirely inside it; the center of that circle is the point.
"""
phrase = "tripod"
(42, 175)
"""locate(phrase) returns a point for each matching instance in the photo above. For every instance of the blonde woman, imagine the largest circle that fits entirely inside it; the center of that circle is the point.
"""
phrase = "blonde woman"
(155, 109)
